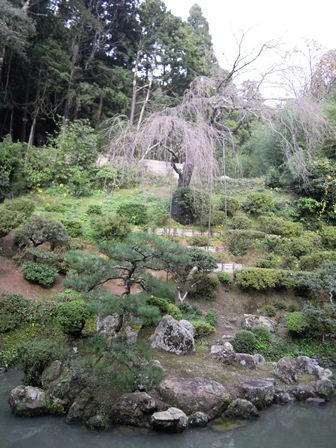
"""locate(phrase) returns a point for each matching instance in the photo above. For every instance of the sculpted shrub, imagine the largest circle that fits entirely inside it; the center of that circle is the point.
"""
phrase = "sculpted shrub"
(39, 230)
(259, 279)
(13, 311)
(23, 206)
(202, 328)
(258, 203)
(329, 237)
(166, 307)
(73, 227)
(204, 286)
(278, 226)
(224, 278)
(71, 317)
(111, 227)
(296, 322)
(240, 222)
(134, 212)
(241, 241)
(314, 260)
(9, 220)
(233, 205)
(244, 341)
(200, 240)
(39, 273)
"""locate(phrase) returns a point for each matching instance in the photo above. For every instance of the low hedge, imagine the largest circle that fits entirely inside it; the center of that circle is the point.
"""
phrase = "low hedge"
(279, 226)
(202, 328)
(166, 307)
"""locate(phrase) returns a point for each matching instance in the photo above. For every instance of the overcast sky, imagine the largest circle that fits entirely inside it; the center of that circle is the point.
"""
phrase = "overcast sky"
(289, 21)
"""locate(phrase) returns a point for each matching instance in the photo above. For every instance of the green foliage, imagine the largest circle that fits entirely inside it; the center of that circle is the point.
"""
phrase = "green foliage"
(262, 334)
(39, 273)
(240, 222)
(39, 230)
(316, 259)
(244, 341)
(308, 208)
(23, 206)
(270, 310)
(135, 213)
(202, 328)
(259, 279)
(111, 227)
(166, 307)
(190, 206)
(296, 322)
(329, 237)
(211, 317)
(279, 226)
(321, 322)
(94, 209)
(200, 240)
(73, 227)
(258, 203)
(233, 205)
(218, 218)
(11, 166)
(224, 278)
(9, 220)
(34, 356)
(204, 286)
(71, 317)
(241, 241)
(13, 311)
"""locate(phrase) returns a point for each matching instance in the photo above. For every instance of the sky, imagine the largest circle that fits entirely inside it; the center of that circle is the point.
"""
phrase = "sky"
(288, 22)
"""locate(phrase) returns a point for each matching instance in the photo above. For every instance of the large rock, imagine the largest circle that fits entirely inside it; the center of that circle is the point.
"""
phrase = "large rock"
(195, 394)
(199, 418)
(134, 409)
(51, 373)
(224, 353)
(246, 360)
(172, 336)
(108, 326)
(286, 370)
(251, 321)
(241, 408)
(83, 408)
(323, 388)
(258, 392)
(28, 401)
(171, 420)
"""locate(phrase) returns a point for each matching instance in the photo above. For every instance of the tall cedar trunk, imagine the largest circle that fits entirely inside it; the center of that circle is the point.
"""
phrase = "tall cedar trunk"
(25, 110)
(134, 87)
(2, 58)
(69, 96)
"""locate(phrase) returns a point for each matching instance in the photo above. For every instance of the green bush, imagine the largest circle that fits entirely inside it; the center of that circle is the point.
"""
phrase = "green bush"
(314, 260)
(204, 286)
(270, 310)
(166, 307)
(73, 227)
(202, 328)
(224, 278)
(12, 179)
(200, 240)
(94, 209)
(329, 237)
(23, 206)
(189, 206)
(218, 218)
(111, 227)
(296, 322)
(308, 208)
(211, 317)
(13, 311)
(9, 220)
(279, 226)
(71, 316)
(34, 356)
(244, 341)
(233, 205)
(262, 333)
(134, 212)
(39, 230)
(280, 305)
(258, 203)
(321, 322)
(259, 279)
(241, 241)
(39, 273)
(240, 222)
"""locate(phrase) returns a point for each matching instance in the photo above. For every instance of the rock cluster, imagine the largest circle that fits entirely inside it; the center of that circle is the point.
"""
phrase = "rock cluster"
(226, 354)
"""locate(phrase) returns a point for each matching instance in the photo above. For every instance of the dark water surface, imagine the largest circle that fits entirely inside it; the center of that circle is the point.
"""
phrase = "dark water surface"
(295, 426)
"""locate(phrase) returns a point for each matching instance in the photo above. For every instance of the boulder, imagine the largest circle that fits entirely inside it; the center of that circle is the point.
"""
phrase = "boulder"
(199, 418)
(98, 422)
(323, 388)
(246, 360)
(316, 401)
(28, 401)
(195, 394)
(134, 409)
(171, 420)
(259, 359)
(286, 370)
(259, 392)
(301, 393)
(251, 321)
(282, 396)
(173, 337)
(306, 364)
(322, 374)
(83, 408)
(108, 326)
(241, 408)
(224, 353)
(51, 373)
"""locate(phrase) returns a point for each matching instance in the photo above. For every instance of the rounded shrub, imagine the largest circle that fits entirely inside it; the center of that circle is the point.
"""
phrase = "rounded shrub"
(279, 226)
(218, 218)
(13, 311)
(39, 273)
(262, 333)
(244, 341)
(329, 237)
(270, 310)
(134, 212)
(202, 328)
(233, 205)
(204, 286)
(224, 278)
(73, 227)
(34, 356)
(200, 240)
(71, 316)
(9, 220)
(296, 322)
(314, 260)
(258, 203)
(240, 222)
(111, 227)
(211, 317)
(259, 279)
(166, 307)
(241, 241)
(23, 206)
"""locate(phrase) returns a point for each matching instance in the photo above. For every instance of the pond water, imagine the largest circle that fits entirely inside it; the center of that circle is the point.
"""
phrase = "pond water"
(298, 426)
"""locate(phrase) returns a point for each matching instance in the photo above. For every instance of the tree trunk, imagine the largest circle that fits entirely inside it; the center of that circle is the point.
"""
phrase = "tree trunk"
(134, 87)
(2, 58)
